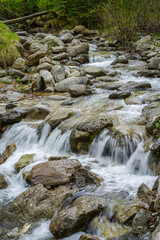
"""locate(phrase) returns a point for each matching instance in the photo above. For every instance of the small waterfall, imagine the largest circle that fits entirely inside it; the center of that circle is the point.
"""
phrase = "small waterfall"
(98, 58)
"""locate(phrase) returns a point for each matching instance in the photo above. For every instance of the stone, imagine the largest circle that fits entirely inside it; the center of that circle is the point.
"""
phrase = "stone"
(144, 43)
(88, 237)
(58, 73)
(119, 95)
(66, 38)
(82, 58)
(58, 49)
(26, 79)
(34, 58)
(42, 204)
(75, 74)
(77, 216)
(7, 153)
(121, 59)
(154, 63)
(38, 112)
(3, 182)
(84, 177)
(95, 71)
(37, 82)
(77, 90)
(19, 64)
(53, 173)
(82, 136)
(139, 222)
(156, 146)
(24, 161)
(153, 116)
(156, 233)
(53, 41)
(65, 84)
(61, 56)
(145, 194)
(3, 73)
(82, 48)
(47, 78)
(15, 73)
(149, 73)
(80, 29)
(45, 59)
(106, 79)
(37, 46)
(44, 66)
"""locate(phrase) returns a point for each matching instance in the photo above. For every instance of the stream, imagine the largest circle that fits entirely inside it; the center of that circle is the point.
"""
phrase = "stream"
(123, 167)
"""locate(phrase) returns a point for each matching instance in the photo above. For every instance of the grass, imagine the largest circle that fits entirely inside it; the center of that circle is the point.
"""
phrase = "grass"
(8, 50)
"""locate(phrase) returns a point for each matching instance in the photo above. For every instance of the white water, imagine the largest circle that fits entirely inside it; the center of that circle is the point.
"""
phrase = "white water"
(123, 167)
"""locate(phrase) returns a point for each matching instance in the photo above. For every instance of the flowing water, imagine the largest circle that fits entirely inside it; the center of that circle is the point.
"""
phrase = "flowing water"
(122, 161)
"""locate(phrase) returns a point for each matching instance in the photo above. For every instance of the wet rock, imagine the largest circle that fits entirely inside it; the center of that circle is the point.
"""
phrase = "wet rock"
(24, 161)
(76, 217)
(135, 86)
(156, 233)
(110, 230)
(65, 85)
(34, 58)
(119, 95)
(61, 56)
(47, 79)
(53, 40)
(156, 186)
(139, 222)
(113, 86)
(84, 177)
(153, 116)
(3, 182)
(7, 153)
(38, 112)
(77, 90)
(66, 38)
(154, 63)
(149, 73)
(42, 204)
(82, 58)
(59, 116)
(82, 136)
(58, 73)
(95, 71)
(44, 66)
(82, 30)
(19, 64)
(53, 173)
(126, 213)
(145, 194)
(59, 49)
(88, 237)
(82, 48)
(156, 146)
(11, 105)
(121, 59)
(106, 79)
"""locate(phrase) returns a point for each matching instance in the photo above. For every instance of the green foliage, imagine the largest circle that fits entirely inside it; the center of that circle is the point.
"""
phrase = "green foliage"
(156, 131)
(18, 80)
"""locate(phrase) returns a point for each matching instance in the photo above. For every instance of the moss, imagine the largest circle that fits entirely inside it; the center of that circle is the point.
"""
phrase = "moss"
(8, 50)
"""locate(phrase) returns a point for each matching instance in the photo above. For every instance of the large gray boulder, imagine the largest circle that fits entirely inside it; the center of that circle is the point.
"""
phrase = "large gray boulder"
(34, 58)
(66, 38)
(95, 71)
(47, 79)
(77, 90)
(82, 48)
(53, 41)
(58, 73)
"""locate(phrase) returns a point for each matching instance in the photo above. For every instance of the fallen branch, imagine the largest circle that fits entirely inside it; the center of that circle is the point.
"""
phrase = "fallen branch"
(21, 19)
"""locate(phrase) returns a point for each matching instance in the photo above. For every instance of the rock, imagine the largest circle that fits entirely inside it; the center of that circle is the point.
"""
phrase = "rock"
(34, 58)
(95, 71)
(113, 86)
(42, 204)
(65, 85)
(45, 60)
(84, 177)
(37, 82)
(110, 230)
(47, 78)
(3, 182)
(82, 48)
(44, 66)
(26, 79)
(59, 49)
(121, 59)
(82, 136)
(76, 217)
(139, 222)
(156, 233)
(2, 73)
(135, 86)
(59, 116)
(15, 73)
(53, 173)
(24, 161)
(66, 38)
(37, 46)
(82, 30)
(76, 42)
(126, 213)
(145, 194)
(106, 79)
(7, 153)
(38, 112)
(53, 41)
(82, 58)
(156, 186)
(153, 116)
(154, 63)
(75, 74)
(143, 44)
(61, 56)
(149, 73)
(156, 146)
(119, 95)
(58, 73)
(88, 237)
(77, 90)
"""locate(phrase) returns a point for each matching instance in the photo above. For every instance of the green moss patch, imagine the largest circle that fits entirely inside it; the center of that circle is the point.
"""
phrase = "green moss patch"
(8, 50)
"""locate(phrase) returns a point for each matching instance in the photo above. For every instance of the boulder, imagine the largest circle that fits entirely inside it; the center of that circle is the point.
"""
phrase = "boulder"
(24, 161)
(149, 73)
(82, 136)
(7, 153)
(53, 41)
(58, 73)
(153, 116)
(154, 63)
(38, 112)
(34, 58)
(66, 38)
(76, 217)
(47, 78)
(121, 59)
(3, 182)
(80, 29)
(53, 173)
(95, 71)
(3, 73)
(156, 233)
(82, 48)
(139, 222)
(88, 237)
(61, 56)
(37, 82)
(82, 58)
(34, 204)
(156, 146)
(44, 66)
(65, 85)
(19, 64)
(77, 90)
(119, 95)
(58, 49)
(145, 194)
(15, 73)
(144, 43)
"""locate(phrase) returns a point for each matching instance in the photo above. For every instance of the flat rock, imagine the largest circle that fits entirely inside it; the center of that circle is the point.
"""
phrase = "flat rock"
(34, 58)
(3, 182)
(77, 90)
(7, 153)
(119, 95)
(95, 71)
(24, 161)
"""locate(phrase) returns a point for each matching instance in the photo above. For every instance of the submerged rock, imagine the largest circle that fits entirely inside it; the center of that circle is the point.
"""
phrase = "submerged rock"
(3, 182)
(88, 237)
(119, 95)
(139, 222)
(24, 161)
(7, 153)
(77, 216)
(77, 90)
(145, 194)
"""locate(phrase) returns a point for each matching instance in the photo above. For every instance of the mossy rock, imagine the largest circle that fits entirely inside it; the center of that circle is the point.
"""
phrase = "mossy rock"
(8, 49)
(24, 161)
